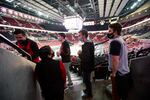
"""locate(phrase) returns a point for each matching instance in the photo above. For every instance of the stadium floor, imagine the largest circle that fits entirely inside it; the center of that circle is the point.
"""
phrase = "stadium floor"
(75, 92)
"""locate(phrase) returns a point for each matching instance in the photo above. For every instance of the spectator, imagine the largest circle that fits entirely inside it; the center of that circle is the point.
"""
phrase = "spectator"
(118, 60)
(51, 75)
(27, 45)
(87, 61)
(64, 52)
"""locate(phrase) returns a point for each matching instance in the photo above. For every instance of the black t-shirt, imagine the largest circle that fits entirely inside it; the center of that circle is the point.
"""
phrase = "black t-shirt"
(87, 56)
(115, 48)
(65, 52)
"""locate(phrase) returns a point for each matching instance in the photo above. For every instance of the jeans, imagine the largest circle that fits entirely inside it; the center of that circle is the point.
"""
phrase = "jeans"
(67, 65)
(87, 82)
(123, 85)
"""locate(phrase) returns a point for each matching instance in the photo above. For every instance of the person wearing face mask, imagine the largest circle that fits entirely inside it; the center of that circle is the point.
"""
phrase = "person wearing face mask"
(51, 75)
(64, 52)
(118, 62)
(87, 62)
(27, 45)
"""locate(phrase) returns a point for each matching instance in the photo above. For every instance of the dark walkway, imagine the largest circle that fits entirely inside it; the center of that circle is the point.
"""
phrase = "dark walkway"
(75, 92)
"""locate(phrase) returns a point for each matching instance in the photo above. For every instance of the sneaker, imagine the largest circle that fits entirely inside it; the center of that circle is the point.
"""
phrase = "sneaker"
(70, 84)
(85, 91)
(66, 88)
(87, 96)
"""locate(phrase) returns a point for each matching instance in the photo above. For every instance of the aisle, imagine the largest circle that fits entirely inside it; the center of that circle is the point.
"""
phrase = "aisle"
(75, 92)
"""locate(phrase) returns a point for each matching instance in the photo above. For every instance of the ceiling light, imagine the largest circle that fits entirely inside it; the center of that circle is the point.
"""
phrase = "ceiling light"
(24, 6)
(134, 5)
(29, 8)
(40, 13)
(9, 0)
(15, 5)
(18, 3)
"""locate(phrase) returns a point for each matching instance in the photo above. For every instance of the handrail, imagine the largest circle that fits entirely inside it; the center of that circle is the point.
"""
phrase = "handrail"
(100, 43)
(7, 41)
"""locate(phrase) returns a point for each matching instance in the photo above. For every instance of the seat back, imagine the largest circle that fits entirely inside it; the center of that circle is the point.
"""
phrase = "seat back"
(17, 80)
(140, 71)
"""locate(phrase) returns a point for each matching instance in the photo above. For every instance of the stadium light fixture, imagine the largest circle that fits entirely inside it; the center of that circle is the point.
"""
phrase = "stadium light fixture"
(73, 22)
(102, 22)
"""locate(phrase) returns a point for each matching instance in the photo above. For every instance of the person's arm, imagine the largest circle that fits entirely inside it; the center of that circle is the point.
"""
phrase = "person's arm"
(35, 50)
(115, 64)
(115, 48)
(65, 49)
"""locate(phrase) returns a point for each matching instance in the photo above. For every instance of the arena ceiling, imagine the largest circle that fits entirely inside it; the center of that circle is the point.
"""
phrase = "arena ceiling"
(56, 10)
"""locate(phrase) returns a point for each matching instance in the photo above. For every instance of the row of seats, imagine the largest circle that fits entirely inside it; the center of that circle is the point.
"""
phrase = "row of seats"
(140, 53)
(128, 23)
(18, 22)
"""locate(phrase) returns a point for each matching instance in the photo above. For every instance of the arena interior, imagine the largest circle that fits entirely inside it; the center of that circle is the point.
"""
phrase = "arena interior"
(43, 20)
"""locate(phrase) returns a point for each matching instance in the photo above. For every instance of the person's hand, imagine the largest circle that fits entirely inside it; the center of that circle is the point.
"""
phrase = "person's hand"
(58, 54)
(113, 75)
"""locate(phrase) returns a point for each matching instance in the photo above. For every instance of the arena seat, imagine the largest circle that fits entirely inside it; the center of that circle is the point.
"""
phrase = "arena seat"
(11, 21)
(140, 71)
(24, 23)
(17, 78)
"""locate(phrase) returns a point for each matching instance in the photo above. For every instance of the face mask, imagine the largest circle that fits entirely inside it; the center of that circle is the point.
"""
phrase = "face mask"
(110, 36)
(23, 42)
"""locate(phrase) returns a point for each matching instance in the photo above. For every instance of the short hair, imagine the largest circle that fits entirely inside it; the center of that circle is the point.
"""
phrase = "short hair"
(116, 27)
(62, 34)
(19, 31)
(84, 32)
(44, 52)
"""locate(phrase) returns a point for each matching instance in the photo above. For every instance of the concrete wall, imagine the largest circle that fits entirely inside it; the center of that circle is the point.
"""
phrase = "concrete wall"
(17, 81)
